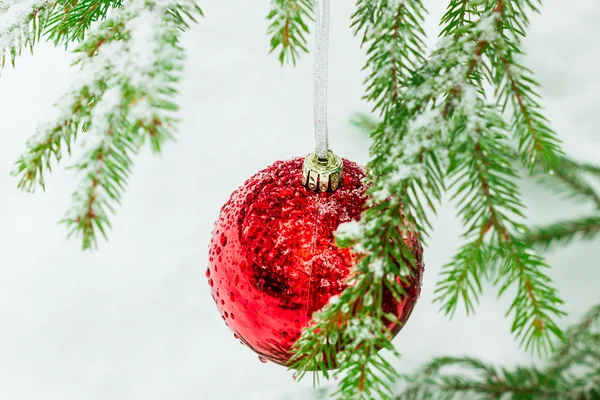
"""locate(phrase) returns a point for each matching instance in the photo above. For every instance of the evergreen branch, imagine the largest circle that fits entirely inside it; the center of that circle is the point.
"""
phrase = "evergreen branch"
(586, 167)
(72, 18)
(395, 38)
(22, 23)
(104, 170)
(516, 84)
(457, 17)
(489, 199)
(582, 346)
(288, 28)
(51, 139)
(536, 138)
(422, 107)
(476, 380)
(349, 332)
(577, 184)
(447, 89)
(489, 202)
(587, 387)
(123, 99)
(410, 152)
(571, 176)
(440, 92)
(536, 304)
(460, 278)
(567, 177)
(564, 232)
(572, 373)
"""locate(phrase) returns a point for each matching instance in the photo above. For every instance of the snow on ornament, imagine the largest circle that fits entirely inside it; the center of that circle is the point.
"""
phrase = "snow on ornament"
(273, 261)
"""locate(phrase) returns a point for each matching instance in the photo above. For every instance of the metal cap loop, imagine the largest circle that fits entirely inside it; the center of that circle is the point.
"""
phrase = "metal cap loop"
(320, 175)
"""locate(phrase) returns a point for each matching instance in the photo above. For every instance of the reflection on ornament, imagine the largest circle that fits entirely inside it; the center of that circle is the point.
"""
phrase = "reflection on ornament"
(273, 260)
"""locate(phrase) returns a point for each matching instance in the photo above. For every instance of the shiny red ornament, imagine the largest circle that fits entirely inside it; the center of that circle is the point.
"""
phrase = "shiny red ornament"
(273, 260)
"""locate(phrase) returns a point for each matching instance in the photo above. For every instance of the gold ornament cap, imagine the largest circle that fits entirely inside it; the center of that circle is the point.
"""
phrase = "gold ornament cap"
(322, 175)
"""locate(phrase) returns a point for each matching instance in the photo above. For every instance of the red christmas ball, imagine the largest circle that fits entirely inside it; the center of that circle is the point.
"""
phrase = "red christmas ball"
(273, 260)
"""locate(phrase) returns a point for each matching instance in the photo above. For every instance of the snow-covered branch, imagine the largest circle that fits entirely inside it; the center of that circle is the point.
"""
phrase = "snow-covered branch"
(22, 23)
(122, 97)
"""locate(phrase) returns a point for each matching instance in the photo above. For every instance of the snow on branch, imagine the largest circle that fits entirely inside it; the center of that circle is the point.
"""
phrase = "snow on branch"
(22, 23)
(122, 98)
(352, 326)
(437, 125)
(72, 18)
(518, 86)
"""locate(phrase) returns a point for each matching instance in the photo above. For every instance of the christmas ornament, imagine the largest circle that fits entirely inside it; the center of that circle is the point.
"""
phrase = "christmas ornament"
(273, 261)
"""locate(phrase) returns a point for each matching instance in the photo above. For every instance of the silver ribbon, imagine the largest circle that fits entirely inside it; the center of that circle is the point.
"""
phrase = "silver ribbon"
(320, 78)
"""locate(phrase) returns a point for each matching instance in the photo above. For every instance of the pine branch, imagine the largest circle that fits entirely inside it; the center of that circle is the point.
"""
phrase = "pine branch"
(488, 197)
(122, 99)
(536, 305)
(582, 346)
(564, 232)
(22, 23)
(570, 178)
(104, 170)
(348, 332)
(579, 187)
(478, 381)
(572, 373)
(288, 28)
(72, 18)
(431, 114)
(489, 202)
(586, 167)
(395, 38)
(458, 15)
(516, 84)
(410, 141)
(461, 277)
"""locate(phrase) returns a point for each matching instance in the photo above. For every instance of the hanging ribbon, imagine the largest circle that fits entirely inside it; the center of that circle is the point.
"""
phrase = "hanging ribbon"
(320, 78)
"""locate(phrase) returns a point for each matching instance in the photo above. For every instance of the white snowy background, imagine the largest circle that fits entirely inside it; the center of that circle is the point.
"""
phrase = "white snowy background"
(135, 320)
